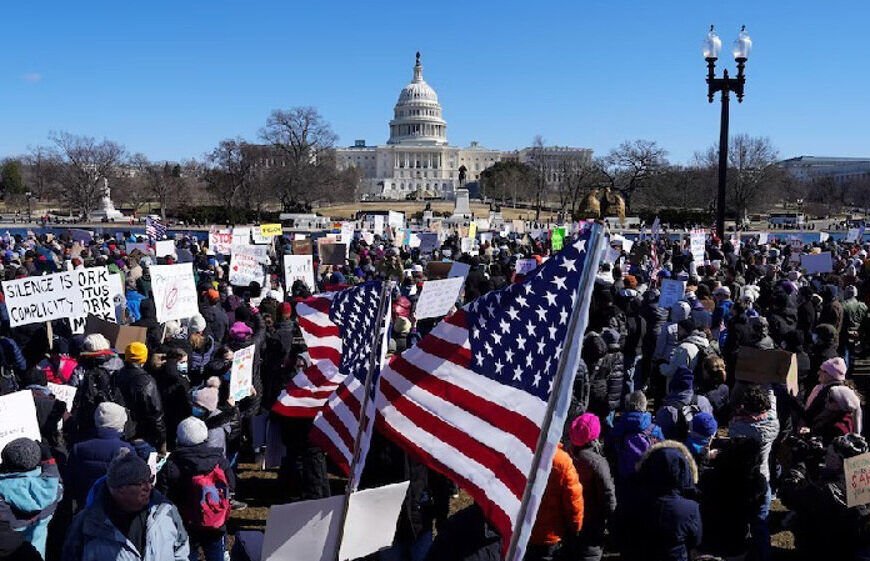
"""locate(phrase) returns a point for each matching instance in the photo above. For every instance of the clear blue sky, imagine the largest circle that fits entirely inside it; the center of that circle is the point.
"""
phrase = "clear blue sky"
(171, 79)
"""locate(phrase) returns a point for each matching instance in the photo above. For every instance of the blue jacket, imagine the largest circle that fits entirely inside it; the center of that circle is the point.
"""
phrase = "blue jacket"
(89, 460)
(93, 537)
(28, 500)
(668, 415)
(133, 300)
(628, 449)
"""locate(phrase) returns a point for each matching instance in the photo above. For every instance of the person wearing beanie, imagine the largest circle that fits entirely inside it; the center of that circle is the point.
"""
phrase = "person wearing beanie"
(141, 396)
(599, 492)
(174, 387)
(215, 316)
(92, 457)
(680, 405)
(197, 324)
(30, 489)
(832, 373)
(95, 384)
(704, 427)
(854, 316)
(223, 421)
(194, 457)
(126, 505)
(241, 336)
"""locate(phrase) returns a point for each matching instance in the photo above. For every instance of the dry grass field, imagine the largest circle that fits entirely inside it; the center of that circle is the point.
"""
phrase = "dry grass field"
(346, 211)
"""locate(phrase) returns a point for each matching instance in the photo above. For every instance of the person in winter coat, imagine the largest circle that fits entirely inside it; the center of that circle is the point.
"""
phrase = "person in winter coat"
(854, 314)
(194, 457)
(613, 363)
(629, 302)
(466, 536)
(593, 354)
(174, 387)
(599, 493)
(202, 347)
(831, 373)
(90, 458)
(669, 336)
(215, 316)
(841, 416)
(223, 421)
(13, 546)
(154, 334)
(825, 527)
(127, 520)
(606, 314)
(560, 515)
(241, 336)
(50, 411)
(633, 433)
(142, 397)
(693, 346)
(30, 489)
(659, 522)
(97, 384)
(832, 311)
(782, 318)
(806, 313)
(712, 386)
(732, 490)
(680, 406)
(655, 319)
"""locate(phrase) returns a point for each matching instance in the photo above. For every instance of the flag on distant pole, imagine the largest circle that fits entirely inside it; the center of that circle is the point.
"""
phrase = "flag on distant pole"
(154, 229)
(483, 397)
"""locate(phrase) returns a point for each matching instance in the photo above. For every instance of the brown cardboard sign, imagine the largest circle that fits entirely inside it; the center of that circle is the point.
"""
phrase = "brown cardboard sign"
(438, 269)
(331, 253)
(119, 336)
(301, 247)
(773, 366)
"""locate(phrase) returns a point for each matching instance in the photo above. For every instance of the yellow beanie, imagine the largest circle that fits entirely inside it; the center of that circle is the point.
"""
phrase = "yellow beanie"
(136, 353)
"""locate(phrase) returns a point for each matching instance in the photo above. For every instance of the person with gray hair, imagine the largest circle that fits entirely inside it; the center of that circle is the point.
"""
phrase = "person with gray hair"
(632, 434)
(127, 520)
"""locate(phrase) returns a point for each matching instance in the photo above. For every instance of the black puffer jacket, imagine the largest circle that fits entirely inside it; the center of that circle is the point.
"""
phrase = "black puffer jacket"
(142, 399)
(98, 384)
(605, 364)
(250, 405)
(613, 364)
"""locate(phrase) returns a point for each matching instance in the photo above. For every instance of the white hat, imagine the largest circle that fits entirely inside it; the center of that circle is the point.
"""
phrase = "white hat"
(191, 431)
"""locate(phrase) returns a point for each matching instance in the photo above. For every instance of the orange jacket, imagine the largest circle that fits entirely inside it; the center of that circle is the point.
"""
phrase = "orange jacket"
(561, 510)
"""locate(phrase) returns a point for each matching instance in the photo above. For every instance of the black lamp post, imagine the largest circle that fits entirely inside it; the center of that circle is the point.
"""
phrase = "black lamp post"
(711, 47)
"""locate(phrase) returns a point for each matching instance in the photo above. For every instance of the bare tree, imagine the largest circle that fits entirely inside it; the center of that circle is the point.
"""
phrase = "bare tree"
(577, 178)
(41, 172)
(87, 164)
(633, 166)
(162, 182)
(537, 187)
(228, 171)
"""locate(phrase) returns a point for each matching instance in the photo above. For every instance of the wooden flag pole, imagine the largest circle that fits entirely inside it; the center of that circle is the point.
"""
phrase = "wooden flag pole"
(560, 396)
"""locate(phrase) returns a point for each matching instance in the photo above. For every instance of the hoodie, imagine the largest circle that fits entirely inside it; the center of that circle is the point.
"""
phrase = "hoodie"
(686, 354)
(669, 336)
(29, 500)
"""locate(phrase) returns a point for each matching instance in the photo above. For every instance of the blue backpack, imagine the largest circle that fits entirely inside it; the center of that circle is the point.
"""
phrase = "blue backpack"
(631, 447)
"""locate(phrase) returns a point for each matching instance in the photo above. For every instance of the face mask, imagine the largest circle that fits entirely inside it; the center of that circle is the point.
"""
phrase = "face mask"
(198, 411)
(181, 367)
(226, 376)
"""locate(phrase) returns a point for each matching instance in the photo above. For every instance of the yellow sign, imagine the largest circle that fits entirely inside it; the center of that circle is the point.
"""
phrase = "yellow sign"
(269, 230)
(472, 230)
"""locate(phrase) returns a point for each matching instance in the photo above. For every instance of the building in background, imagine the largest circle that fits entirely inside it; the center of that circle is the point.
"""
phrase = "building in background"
(840, 170)
(418, 162)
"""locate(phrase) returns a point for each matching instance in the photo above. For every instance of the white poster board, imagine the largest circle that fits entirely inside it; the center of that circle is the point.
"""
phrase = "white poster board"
(370, 524)
(246, 265)
(466, 245)
(64, 393)
(378, 225)
(241, 235)
(18, 417)
(672, 292)
(817, 263)
(40, 299)
(163, 248)
(696, 245)
(242, 373)
(299, 267)
(220, 241)
(305, 530)
(97, 297)
(762, 238)
(437, 297)
(857, 480)
(174, 291)
(525, 266)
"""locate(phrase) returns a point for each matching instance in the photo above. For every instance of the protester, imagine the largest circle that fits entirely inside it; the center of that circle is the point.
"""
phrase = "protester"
(599, 495)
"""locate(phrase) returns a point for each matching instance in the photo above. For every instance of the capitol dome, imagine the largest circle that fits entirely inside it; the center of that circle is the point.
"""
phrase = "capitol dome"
(417, 116)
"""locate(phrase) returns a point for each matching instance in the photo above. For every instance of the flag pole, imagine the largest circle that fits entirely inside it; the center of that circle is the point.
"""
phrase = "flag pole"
(374, 362)
(562, 383)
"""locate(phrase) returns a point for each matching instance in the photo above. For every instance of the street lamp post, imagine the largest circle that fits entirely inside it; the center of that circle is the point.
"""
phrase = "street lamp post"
(29, 196)
(711, 47)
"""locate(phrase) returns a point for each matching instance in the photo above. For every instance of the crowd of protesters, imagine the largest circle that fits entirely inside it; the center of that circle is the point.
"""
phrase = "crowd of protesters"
(667, 453)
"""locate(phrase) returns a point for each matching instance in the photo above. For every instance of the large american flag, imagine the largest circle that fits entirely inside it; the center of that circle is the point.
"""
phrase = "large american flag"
(154, 229)
(471, 398)
(338, 328)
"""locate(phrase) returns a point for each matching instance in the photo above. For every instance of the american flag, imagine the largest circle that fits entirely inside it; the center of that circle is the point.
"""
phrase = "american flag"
(471, 398)
(338, 328)
(154, 229)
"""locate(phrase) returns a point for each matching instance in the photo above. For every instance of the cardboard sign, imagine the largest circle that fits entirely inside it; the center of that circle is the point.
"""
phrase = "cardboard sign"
(857, 470)
(18, 417)
(773, 366)
(557, 239)
(242, 373)
(140, 247)
(331, 253)
(41, 299)
(301, 247)
(672, 292)
(271, 230)
(97, 297)
(246, 265)
(438, 269)
(164, 248)
(220, 241)
(299, 267)
(119, 336)
(818, 263)
(174, 291)
(437, 297)
(525, 266)
(519, 226)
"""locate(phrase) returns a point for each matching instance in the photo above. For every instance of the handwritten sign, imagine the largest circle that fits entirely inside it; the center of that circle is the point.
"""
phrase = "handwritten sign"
(220, 241)
(18, 417)
(437, 297)
(64, 393)
(301, 246)
(378, 225)
(857, 480)
(697, 240)
(242, 373)
(672, 292)
(246, 265)
(525, 266)
(164, 248)
(174, 291)
(270, 230)
(41, 299)
(96, 297)
(557, 239)
(299, 267)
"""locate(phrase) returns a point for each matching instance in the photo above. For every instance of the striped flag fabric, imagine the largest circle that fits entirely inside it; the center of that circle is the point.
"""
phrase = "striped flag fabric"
(470, 400)
(338, 328)
(154, 229)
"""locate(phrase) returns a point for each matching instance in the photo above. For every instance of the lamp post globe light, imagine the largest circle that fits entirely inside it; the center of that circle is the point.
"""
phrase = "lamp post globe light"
(710, 49)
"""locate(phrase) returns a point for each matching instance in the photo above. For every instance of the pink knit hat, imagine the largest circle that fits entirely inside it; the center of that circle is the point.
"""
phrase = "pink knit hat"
(240, 330)
(834, 369)
(585, 429)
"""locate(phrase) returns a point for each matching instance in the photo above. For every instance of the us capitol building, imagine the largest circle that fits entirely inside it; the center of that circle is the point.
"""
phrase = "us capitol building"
(417, 161)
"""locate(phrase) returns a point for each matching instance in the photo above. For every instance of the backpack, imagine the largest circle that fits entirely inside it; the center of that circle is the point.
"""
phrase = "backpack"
(631, 448)
(685, 414)
(704, 353)
(206, 505)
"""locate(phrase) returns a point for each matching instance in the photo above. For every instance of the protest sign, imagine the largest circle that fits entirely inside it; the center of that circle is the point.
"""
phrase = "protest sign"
(458, 270)
(174, 291)
(368, 237)
(18, 417)
(45, 298)
(119, 336)
(697, 239)
(854, 234)
(370, 524)
(525, 266)
(438, 269)
(82, 236)
(414, 240)
(472, 230)
(301, 247)
(611, 255)
(97, 297)
(396, 219)
(857, 470)
(762, 238)
(242, 373)
(817, 263)
(220, 241)
(246, 265)
(259, 239)
(64, 393)
(772, 366)
(331, 253)
(672, 292)
(241, 235)
(557, 239)
(428, 242)
(656, 228)
(299, 267)
(379, 225)
(163, 248)
(621, 241)
(271, 230)
(519, 226)
(141, 247)
(437, 297)
(304, 530)
(466, 245)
